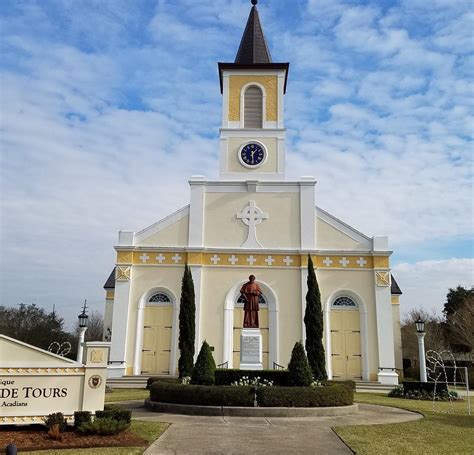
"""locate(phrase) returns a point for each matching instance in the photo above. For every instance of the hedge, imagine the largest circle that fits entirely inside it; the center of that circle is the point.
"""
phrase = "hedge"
(153, 379)
(349, 384)
(201, 394)
(114, 412)
(333, 395)
(429, 387)
(227, 377)
(305, 397)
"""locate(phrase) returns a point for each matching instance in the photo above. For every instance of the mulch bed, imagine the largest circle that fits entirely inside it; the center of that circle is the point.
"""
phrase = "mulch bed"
(35, 437)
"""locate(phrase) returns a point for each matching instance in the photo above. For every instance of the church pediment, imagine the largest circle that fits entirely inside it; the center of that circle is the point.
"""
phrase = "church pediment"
(170, 231)
(334, 234)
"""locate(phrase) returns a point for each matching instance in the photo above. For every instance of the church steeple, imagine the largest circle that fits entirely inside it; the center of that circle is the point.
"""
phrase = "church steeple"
(253, 47)
(253, 128)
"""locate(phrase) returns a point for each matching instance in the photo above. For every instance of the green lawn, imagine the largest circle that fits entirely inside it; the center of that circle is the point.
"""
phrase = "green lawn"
(437, 433)
(126, 394)
(146, 430)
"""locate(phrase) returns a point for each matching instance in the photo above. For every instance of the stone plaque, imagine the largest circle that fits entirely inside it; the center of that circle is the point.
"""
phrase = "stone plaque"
(251, 349)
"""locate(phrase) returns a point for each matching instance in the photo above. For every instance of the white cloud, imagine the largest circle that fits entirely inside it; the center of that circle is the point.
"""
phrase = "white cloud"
(426, 283)
(104, 106)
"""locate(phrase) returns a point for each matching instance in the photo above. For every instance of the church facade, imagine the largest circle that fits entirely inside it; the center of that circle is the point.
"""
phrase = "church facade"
(253, 221)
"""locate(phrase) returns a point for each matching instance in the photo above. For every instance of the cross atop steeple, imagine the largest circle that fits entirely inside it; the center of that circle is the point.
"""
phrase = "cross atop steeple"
(253, 47)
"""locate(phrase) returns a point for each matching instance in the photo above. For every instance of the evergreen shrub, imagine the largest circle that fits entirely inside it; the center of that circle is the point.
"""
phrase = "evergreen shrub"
(187, 329)
(350, 384)
(227, 377)
(115, 412)
(429, 387)
(333, 395)
(201, 395)
(153, 379)
(300, 371)
(314, 324)
(300, 397)
(54, 419)
(203, 371)
(81, 417)
(104, 426)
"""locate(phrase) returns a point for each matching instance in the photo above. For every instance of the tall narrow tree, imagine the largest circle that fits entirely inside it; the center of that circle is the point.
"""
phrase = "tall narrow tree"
(187, 329)
(313, 321)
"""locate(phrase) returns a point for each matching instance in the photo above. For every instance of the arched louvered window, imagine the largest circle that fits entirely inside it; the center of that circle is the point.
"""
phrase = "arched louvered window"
(253, 107)
(344, 302)
(159, 298)
(261, 300)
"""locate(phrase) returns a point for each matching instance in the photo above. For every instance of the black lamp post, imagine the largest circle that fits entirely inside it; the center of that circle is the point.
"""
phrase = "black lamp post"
(420, 333)
(83, 320)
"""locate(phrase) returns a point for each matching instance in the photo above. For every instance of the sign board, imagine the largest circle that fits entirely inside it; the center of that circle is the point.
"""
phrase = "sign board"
(35, 383)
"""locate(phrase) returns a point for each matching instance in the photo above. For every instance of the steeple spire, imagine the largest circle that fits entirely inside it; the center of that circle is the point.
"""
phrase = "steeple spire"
(253, 47)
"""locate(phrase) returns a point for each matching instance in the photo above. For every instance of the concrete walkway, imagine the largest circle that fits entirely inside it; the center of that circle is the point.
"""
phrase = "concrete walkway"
(261, 435)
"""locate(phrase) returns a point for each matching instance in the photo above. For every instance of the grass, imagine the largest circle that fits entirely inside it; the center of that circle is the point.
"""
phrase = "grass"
(150, 431)
(126, 394)
(437, 433)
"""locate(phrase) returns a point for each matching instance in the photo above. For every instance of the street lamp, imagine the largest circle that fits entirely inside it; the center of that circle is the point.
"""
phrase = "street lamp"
(420, 333)
(83, 320)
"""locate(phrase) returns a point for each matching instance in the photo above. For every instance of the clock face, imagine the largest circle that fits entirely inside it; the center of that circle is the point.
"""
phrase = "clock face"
(252, 155)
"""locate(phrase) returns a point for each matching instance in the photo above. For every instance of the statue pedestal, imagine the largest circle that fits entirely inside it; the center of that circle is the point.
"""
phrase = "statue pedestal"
(251, 350)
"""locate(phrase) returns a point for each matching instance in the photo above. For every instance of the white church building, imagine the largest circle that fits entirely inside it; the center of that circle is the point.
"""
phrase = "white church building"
(253, 221)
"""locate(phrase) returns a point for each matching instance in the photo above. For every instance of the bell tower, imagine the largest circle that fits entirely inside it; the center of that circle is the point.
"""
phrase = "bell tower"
(252, 135)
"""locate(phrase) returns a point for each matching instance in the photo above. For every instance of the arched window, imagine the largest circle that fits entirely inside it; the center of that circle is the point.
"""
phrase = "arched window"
(159, 298)
(253, 107)
(344, 302)
(262, 300)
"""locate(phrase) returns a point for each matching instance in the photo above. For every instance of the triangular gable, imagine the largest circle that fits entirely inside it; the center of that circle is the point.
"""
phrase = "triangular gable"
(170, 231)
(15, 353)
(336, 235)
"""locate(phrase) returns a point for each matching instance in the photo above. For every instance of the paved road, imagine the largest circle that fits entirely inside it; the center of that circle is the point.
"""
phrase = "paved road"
(189, 435)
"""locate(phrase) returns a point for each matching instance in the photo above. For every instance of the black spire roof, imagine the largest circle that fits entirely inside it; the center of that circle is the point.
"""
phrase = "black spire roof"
(253, 51)
(253, 46)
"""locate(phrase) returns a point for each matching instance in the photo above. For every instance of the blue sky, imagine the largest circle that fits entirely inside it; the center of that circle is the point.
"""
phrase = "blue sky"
(107, 102)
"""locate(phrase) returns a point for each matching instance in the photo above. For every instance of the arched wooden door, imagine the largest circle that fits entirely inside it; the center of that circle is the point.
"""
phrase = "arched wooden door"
(158, 324)
(345, 340)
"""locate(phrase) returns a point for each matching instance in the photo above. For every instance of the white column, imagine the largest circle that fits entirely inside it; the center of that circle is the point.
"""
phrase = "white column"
(196, 211)
(304, 290)
(327, 338)
(117, 366)
(196, 271)
(307, 213)
(137, 358)
(80, 346)
(421, 356)
(227, 353)
(387, 373)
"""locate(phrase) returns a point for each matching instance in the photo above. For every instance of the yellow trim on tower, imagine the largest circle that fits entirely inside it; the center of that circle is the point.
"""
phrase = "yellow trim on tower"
(395, 300)
(109, 295)
(271, 88)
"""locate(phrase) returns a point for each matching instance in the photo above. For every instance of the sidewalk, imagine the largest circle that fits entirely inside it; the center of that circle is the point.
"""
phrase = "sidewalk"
(260, 435)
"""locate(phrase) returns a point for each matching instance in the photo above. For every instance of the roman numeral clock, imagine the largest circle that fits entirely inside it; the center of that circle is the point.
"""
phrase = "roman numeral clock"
(252, 154)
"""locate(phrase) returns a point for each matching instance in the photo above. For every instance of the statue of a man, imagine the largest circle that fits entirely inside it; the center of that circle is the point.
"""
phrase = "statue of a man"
(250, 291)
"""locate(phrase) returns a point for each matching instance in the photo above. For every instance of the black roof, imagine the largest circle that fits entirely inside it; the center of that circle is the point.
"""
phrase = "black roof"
(395, 288)
(253, 46)
(110, 283)
(253, 51)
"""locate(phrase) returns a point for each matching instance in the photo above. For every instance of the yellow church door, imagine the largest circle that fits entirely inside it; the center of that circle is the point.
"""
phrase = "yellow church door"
(238, 325)
(345, 345)
(156, 349)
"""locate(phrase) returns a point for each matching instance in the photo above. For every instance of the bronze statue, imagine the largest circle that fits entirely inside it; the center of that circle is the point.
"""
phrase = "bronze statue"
(250, 292)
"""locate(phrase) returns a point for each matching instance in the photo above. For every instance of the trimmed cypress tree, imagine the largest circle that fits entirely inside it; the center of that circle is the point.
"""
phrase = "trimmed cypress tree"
(187, 329)
(313, 321)
(204, 371)
(300, 371)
